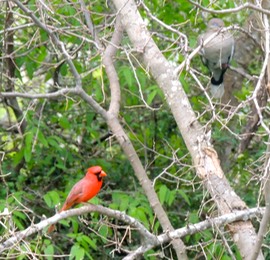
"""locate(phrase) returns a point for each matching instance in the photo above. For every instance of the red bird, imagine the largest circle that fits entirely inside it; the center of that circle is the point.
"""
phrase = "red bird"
(84, 190)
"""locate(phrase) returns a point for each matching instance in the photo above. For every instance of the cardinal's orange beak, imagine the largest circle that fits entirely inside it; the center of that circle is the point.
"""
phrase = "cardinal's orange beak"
(103, 174)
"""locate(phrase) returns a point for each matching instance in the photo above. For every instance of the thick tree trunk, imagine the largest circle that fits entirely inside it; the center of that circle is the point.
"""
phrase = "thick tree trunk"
(204, 156)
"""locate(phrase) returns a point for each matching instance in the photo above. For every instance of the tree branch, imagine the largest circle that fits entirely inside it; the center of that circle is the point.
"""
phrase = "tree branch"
(75, 212)
(150, 240)
(232, 10)
(204, 156)
(107, 59)
(266, 177)
(191, 229)
(60, 45)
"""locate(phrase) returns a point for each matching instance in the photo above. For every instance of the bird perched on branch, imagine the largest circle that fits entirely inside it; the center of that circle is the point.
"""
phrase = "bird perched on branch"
(216, 54)
(84, 190)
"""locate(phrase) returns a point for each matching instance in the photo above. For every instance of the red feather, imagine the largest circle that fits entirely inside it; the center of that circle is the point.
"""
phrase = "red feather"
(84, 190)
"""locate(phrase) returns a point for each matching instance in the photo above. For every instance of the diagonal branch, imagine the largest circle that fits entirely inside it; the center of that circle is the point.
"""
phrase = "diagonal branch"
(125, 142)
(204, 157)
(60, 45)
(191, 229)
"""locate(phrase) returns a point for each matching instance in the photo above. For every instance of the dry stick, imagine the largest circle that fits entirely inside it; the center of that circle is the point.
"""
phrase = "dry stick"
(232, 10)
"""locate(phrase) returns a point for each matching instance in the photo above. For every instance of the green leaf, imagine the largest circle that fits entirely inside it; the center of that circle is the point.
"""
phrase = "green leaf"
(77, 252)
(52, 142)
(42, 139)
(97, 74)
(184, 196)
(49, 252)
(140, 214)
(128, 77)
(28, 146)
(30, 68)
(91, 242)
(64, 123)
(103, 231)
(51, 198)
(18, 222)
(49, 172)
(19, 214)
(171, 196)
(122, 200)
(151, 96)
(162, 193)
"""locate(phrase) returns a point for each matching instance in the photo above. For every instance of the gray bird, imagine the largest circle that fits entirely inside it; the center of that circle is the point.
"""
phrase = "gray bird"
(216, 54)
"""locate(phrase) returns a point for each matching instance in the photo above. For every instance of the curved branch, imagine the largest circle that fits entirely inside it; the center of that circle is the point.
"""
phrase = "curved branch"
(75, 212)
(61, 93)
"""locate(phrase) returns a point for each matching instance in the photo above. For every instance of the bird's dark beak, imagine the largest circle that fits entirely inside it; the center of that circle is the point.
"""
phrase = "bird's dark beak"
(102, 174)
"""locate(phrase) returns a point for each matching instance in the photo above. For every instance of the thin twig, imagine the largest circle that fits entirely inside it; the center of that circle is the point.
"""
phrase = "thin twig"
(231, 10)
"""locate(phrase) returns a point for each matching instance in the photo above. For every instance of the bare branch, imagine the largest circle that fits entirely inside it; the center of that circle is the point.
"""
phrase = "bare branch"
(232, 10)
(75, 212)
(55, 40)
(195, 228)
(59, 93)
(90, 24)
(150, 240)
(181, 35)
(262, 74)
(108, 57)
(266, 177)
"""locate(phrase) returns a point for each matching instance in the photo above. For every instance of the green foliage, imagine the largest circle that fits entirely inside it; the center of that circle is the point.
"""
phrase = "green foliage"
(65, 136)
(77, 252)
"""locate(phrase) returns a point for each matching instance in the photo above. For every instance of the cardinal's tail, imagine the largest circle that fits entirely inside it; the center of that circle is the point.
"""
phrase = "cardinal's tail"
(51, 228)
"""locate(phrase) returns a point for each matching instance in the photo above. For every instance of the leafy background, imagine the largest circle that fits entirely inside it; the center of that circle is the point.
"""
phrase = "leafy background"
(64, 137)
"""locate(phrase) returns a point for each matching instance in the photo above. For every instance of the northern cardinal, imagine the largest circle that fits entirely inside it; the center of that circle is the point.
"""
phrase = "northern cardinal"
(84, 190)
